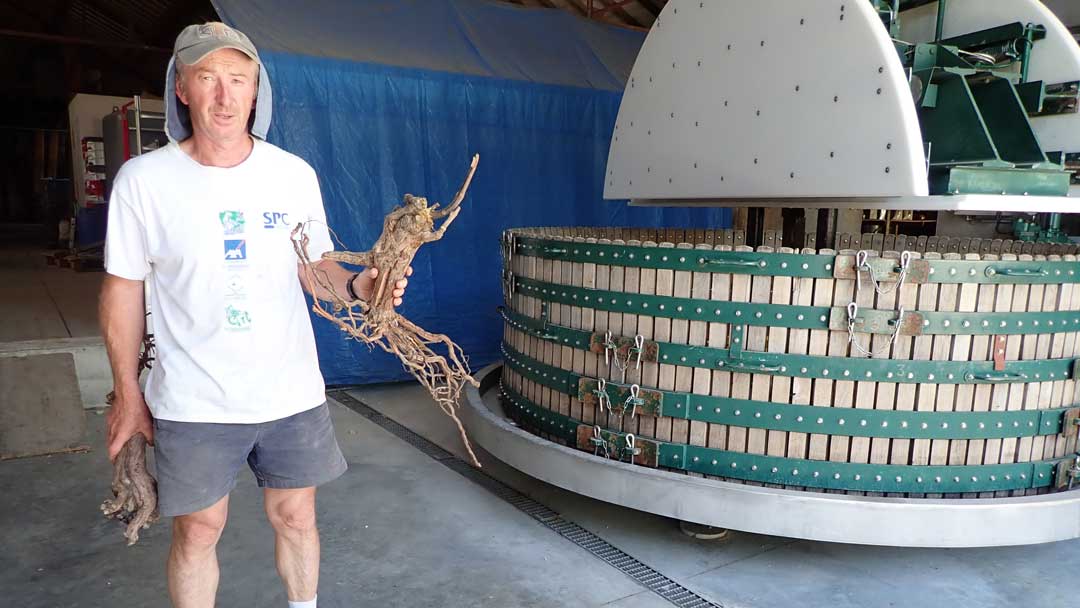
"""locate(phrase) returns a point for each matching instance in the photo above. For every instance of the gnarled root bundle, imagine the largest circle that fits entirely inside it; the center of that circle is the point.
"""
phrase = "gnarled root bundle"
(134, 491)
(405, 229)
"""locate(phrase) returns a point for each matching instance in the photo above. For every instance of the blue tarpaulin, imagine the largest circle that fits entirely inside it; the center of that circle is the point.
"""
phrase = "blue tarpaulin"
(385, 98)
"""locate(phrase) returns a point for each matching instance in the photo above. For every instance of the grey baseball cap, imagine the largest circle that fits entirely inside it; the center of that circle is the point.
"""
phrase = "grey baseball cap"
(193, 44)
(198, 41)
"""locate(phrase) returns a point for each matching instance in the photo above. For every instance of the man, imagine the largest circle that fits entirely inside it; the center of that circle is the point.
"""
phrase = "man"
(206, 222)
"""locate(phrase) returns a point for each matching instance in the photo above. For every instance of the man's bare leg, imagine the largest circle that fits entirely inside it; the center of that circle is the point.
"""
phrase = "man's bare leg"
(193, 565)
(296, 540)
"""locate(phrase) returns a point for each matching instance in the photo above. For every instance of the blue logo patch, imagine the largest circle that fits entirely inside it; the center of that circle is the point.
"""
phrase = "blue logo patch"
(235, 249)
(275, 219)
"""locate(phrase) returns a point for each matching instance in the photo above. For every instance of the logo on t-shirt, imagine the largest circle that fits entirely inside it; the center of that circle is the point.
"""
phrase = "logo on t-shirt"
(234, 287)
(232, 221)
(235, 249)
(237, 318)
(273, 220)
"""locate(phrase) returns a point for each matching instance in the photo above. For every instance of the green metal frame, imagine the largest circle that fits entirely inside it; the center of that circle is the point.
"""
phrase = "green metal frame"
(821, 367)
(795, 418)
(795, 265)
(788, 471)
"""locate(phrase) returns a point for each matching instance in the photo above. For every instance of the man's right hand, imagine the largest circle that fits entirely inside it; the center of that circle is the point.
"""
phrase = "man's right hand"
(127, 415)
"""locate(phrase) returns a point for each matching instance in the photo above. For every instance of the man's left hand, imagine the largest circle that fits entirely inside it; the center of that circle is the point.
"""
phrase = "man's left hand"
(365, 285)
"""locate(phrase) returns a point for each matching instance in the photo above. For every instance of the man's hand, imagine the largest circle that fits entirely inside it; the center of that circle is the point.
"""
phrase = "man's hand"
(127, 415)
(365, 285)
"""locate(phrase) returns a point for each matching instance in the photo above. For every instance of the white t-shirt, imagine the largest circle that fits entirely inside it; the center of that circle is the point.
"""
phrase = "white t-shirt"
(234, 339)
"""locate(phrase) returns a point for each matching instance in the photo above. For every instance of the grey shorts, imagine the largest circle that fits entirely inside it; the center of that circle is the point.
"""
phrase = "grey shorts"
(197, 463)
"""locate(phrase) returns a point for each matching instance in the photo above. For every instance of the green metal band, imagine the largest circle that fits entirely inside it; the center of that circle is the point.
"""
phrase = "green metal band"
(803, 317)
(666, 258)
(791, 264)
(809, 418)
(796, 471)
(825, 368)
(743, 313)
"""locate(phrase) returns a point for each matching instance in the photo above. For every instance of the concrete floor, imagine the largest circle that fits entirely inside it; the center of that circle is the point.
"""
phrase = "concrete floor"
(400, 529)
(39, 302)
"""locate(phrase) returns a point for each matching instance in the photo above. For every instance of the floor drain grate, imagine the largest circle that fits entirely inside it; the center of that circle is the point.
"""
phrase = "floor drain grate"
(645, 576)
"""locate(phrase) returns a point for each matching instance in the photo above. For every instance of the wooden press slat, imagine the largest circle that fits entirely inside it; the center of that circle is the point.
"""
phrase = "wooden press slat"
(799, 344)
(588, 323)
(1033, 297)
(650, 372)
(776, 441)
(534, 347)
(980, 351)
(718, 338)
(564, 354)
(925, 394)
(756, 337)
(699, 330)
(1063, 389)
(899, 450)
(842, 391)
(1057, 351)
(680, 334)
(865, 392)
(948, 301)
(740, 383)
(665, 286)
(549, 398)
(577, 276)
(820, 341)
(1014, 399)
(961, 351)
(1067, 445)
(1043, 348)
(616, 282)
(631, 284)
(999, 394)
(602, 323)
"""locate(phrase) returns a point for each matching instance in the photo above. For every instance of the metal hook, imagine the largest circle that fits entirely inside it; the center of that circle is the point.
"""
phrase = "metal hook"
(631, 450)
(633, 401)
(639, 345)
(598, 441)
(602, 395)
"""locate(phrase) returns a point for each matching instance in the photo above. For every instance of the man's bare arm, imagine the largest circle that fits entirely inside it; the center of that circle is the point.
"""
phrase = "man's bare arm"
(122, 315)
